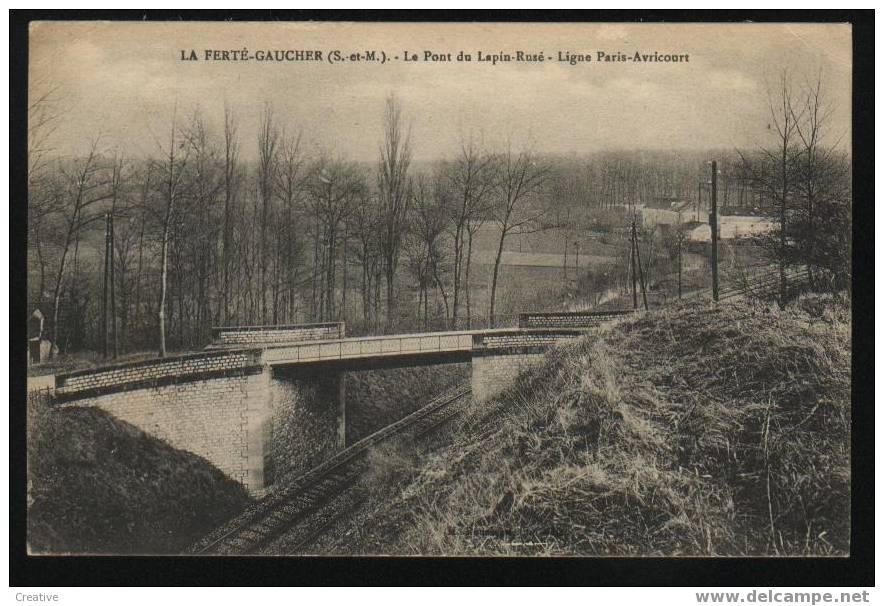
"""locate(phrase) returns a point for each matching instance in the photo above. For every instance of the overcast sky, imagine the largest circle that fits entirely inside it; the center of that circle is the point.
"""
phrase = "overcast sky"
(123, 79)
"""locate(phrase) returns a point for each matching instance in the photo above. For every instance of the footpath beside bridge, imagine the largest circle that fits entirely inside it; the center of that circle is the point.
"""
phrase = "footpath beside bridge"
(268, 401)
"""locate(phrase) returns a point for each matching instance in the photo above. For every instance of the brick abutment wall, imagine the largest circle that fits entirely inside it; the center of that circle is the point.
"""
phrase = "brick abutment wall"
(257, 425)
(499, 358)
(494, 373)
(216, 418)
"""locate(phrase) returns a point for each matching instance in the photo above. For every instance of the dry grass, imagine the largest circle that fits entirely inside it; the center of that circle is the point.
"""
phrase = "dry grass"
(699, 430)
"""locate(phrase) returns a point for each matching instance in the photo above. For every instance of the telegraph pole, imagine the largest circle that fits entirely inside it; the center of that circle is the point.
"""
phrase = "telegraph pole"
(699, 199)
(104, 290)
(113, 297)
(632, 252)
(577, 259)
(641, 275)
(713, 225)
(679, 240)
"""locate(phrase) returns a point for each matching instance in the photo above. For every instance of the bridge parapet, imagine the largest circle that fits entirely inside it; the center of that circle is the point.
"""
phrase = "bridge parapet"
(495, 342)
(152, 373)
(246, 336)
(571, 319)
(369, 347)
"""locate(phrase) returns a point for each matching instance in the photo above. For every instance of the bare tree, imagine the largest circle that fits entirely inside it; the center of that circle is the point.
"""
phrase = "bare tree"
(426, 231)
(42, 121)
(334, 188)
(172, 169)
(289, 179)
(393, 194)
(204, 183)
(775, 170)
(267, 144)
(231, 187)
(470, 181)
(84, 188)
(366, 231)
(43, 198)
(126, 234)
(519, 178)
(822, 181)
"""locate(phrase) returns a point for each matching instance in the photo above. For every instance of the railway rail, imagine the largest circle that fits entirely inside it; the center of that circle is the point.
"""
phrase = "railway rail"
(284, 510)
(762, 284)
(759, 284)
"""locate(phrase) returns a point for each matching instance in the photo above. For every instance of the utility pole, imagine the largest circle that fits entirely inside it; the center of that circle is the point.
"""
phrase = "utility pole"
(343, 312)
(104, 335)
(577, 260)
(679, 240)
(113, 297)
(641, 274)
(565, 265)
(632, 253)
(713, 225)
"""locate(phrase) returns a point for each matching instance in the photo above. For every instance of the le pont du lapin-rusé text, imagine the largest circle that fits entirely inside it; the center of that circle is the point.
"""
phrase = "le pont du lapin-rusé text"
(430, 56)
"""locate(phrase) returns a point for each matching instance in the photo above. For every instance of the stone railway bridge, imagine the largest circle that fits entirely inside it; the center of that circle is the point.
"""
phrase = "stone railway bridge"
(267, 401)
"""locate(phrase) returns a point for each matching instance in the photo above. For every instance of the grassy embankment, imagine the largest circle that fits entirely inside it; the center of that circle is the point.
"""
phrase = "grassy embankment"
(101, 486)
(697, 430)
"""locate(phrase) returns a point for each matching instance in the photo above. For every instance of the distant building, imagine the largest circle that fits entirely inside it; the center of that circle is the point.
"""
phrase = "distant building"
(665, 203)
(732, 227)
(666, 211)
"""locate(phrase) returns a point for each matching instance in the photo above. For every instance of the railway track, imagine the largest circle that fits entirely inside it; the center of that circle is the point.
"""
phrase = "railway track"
(759, 284)
(286, 509)
(762, 284)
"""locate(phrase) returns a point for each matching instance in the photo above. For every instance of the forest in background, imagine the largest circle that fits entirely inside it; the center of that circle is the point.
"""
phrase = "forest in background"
(215, 230)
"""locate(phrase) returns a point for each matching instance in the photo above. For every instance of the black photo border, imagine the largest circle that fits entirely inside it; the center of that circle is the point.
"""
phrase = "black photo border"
(855, 570)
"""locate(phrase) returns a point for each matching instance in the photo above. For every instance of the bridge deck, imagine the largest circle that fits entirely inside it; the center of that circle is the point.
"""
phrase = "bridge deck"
(353, 353)
(420, 344)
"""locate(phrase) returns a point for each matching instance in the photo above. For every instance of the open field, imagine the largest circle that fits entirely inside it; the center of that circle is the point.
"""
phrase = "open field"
(550, 241)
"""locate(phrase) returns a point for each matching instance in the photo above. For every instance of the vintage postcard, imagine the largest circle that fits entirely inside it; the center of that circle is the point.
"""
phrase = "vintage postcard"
(439, 289)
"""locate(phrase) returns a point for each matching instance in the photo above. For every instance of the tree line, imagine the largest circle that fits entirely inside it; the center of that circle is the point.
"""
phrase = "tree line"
(213, 229)
(203, 237)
